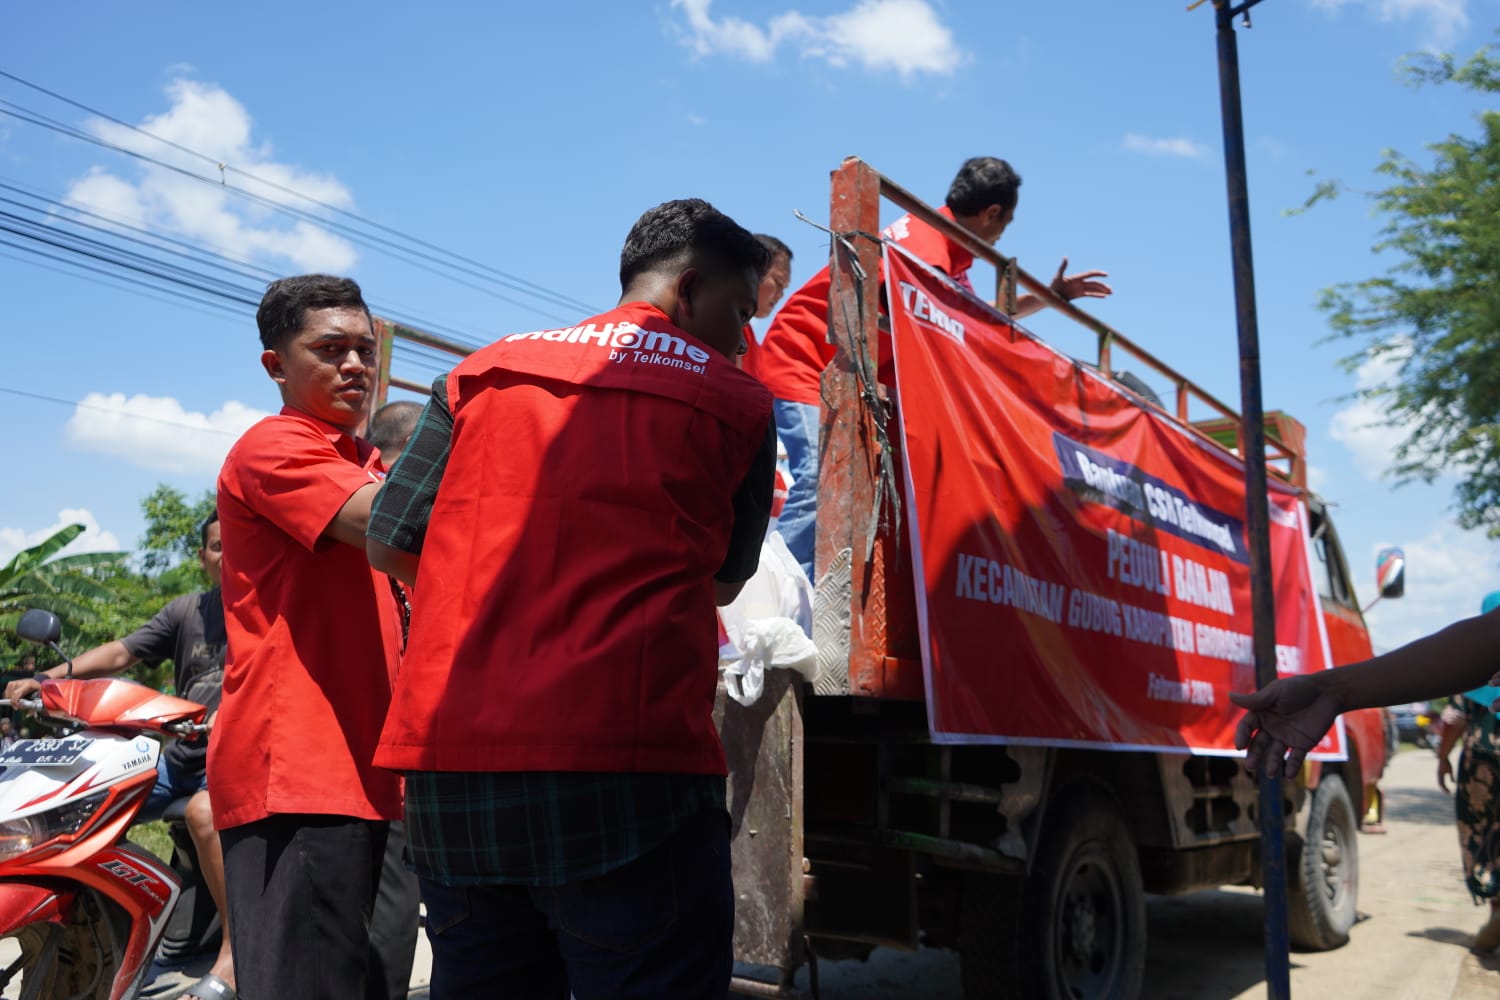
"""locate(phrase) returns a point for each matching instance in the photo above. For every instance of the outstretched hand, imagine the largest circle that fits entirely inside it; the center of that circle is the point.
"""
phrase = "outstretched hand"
(1083, 285)
(1283, 721)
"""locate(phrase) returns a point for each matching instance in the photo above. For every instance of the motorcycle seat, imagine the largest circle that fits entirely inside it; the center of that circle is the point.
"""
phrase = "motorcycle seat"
(176, 811)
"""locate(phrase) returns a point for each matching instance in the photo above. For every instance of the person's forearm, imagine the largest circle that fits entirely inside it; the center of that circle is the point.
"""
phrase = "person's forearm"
(348, 525)
(397, 562)
(1460, 657)
(1025, 306)
(1451, 733)
(101, 661)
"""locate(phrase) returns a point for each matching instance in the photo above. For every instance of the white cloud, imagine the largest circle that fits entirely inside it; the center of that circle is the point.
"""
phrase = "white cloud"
(1363, 426)
(1186, 148)
(93, 539)
(906, 36)
(1448, 572)
(1318, 479)
(156, 432)
(207, 119)
(1446, 19)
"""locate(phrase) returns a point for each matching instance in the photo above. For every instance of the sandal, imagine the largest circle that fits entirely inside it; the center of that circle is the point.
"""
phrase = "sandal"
(210, 987)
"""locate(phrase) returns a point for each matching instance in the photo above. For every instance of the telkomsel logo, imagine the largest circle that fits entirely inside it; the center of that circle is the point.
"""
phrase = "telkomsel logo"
(629, 343)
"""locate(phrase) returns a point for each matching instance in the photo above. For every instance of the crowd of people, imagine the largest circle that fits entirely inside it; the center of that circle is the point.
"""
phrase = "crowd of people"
(494, 656)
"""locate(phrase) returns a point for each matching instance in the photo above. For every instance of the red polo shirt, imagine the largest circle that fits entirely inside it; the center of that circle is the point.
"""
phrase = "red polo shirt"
(791, 359)
(313, 632)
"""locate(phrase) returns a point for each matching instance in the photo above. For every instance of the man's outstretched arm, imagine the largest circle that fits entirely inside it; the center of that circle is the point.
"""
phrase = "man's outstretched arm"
(1286, 719)
(1083, 285)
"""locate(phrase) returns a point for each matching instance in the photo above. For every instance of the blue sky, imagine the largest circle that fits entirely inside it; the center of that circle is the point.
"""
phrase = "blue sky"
(529, 137)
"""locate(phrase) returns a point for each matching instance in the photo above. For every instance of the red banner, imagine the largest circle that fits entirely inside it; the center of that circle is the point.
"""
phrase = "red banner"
(1082, 571)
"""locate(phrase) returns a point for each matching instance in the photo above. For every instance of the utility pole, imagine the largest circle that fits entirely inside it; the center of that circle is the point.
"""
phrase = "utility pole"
(1253, 452)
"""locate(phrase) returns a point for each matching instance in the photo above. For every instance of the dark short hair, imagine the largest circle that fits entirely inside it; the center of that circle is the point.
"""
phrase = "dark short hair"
(392, 425)
(981, 182)
(774, 247)
(673, 229)
(203, 528)
(287, 301)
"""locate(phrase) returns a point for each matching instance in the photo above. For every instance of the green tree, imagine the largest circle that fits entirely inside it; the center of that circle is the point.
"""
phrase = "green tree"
(1435, 312)
(172, 528)
(74, 587)
(67, 586)
(101, 596)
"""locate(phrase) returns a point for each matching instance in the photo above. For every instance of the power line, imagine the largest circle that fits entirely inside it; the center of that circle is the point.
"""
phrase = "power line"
(8, 390)
(194, 251)
(471, 266)
(62, 244)
(250, 268)
(71, 269)
(405, 255)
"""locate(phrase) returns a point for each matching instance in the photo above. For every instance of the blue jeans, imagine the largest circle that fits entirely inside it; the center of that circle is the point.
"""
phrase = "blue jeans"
(661, 926)
(797, 425)
(171, 785)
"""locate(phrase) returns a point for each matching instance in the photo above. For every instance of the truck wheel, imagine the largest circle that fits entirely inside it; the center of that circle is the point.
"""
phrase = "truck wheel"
(1082, 915)
(1321, 903)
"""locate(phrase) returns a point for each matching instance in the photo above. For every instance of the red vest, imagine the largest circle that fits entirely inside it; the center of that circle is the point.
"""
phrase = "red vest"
(564, 614)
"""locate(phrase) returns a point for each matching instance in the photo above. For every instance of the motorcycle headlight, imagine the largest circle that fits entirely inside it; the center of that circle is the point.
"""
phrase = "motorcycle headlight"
(17, 836)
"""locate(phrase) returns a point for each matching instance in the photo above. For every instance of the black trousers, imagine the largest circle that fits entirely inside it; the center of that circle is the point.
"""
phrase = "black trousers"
(660, 928)
(301, 889)
(393, 924)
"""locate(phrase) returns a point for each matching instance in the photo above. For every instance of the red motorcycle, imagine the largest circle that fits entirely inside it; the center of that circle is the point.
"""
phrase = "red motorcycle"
(81, 908)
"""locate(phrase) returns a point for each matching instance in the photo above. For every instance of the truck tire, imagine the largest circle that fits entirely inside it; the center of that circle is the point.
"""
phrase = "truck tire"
(1079, 931)
(1324, 893)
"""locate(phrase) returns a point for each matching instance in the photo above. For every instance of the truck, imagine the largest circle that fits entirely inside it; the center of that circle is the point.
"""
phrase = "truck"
(855, 828)
(857, 825)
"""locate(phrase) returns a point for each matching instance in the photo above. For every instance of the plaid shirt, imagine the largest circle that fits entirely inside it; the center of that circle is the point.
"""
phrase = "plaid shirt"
(525, 828)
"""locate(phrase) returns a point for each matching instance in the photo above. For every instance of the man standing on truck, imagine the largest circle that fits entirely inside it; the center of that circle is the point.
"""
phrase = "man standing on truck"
(314, 636)
(594, 492)
(791, 359)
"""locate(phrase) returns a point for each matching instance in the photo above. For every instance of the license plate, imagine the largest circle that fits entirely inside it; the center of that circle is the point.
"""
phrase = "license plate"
(44, 752)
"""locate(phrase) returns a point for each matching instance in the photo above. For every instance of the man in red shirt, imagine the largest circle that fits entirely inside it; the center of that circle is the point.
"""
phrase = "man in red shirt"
(772, 287)
(314, 636)
(572, 506)
(791, 359)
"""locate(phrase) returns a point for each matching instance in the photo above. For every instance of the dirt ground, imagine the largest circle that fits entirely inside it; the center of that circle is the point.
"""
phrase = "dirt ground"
(1411, 942)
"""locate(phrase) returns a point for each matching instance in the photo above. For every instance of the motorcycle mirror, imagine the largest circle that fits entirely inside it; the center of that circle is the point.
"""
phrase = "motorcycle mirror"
(41, 627)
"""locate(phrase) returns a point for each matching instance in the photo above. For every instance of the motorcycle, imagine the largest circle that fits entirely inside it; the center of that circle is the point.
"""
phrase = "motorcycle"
(81, 908)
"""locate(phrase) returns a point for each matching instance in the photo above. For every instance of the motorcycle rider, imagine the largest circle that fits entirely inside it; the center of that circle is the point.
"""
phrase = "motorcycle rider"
(189, 631)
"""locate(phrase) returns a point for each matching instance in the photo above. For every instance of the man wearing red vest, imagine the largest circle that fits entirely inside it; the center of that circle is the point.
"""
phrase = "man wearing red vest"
(571, 508)
(791, 358)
